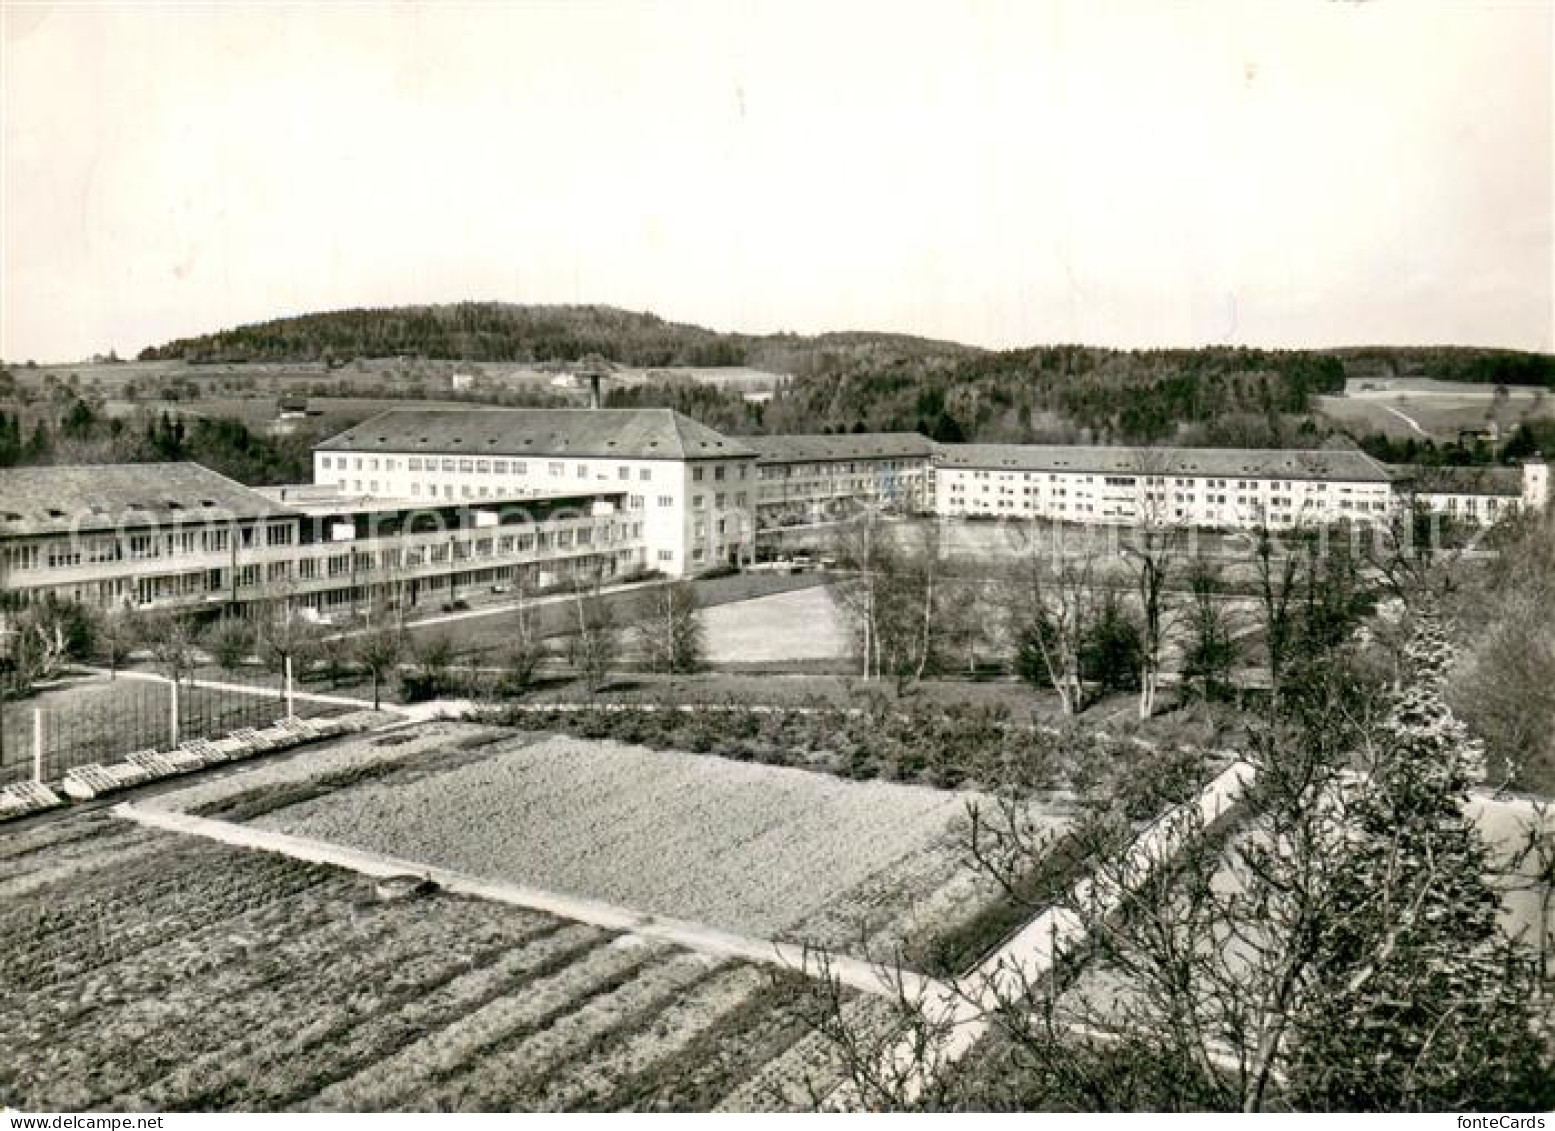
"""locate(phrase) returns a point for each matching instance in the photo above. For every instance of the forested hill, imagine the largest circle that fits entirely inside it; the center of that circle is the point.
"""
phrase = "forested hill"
(1217, 395)
(490, 331)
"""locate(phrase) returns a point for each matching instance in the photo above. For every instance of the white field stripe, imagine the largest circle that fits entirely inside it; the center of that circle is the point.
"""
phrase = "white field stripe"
(858, 974)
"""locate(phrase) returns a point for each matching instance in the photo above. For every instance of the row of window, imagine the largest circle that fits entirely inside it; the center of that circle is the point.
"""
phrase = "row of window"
(96, 550)
(470, 465)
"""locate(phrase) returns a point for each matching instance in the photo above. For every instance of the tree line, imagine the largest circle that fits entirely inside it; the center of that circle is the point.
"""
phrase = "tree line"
(1215, 396)
(79, 433)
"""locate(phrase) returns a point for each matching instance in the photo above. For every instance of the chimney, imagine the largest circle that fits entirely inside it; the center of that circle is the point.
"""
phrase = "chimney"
(594, 389)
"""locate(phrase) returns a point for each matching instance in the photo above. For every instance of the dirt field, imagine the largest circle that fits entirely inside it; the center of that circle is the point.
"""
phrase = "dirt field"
(148, 971)
(758, 850)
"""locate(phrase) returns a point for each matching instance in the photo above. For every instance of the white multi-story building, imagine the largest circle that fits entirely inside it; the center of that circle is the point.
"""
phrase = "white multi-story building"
(692, 489)
(803, 479)
(1209, 487)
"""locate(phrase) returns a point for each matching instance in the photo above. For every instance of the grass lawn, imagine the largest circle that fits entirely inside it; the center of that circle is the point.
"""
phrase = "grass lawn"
(802, 624)
(487, 633)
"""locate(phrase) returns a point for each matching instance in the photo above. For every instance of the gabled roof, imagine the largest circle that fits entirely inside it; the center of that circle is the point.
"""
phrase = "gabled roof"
(1348, 466)
(102, 497)
(1499, 481)
(849, 445)
(628, 433)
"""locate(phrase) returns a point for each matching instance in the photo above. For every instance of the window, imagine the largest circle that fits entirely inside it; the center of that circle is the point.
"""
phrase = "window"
(718, 473)
(248, 576)
(583, 471)
(143, 546)
(467, 465)
(696, 475)
(448, 465)
(520, 468)
(557, 468)
(483, 465)
(666, 555)
(308, 569)
(625, 473)
(666, 501)
(500, 467)
(325, 463)
(278, 571)
(412, 464)
(718, 501)
(644, 474)
(215, 540)
(697, 501)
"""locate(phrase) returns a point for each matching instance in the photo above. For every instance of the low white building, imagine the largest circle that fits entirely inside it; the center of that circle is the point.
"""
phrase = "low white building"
(692, 489)
(180, 536)
(1206, 487)
(1479, 495)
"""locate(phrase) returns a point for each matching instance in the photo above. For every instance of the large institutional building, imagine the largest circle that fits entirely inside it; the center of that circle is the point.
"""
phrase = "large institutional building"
(429, 504)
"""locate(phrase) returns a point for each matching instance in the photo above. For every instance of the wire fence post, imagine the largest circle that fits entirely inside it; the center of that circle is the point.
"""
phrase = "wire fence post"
(174, 719)
(37, 744)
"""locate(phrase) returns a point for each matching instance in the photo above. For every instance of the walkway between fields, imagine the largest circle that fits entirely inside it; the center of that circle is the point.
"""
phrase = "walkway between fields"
(1028, 956)
(855, 973)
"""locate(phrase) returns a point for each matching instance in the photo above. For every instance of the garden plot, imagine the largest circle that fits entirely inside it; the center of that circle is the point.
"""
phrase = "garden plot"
(172, 973)
(759, 850)
(801, 625)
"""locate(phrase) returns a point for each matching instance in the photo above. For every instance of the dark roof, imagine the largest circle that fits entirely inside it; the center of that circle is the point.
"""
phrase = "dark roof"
(1220, 462)
(1462, 480)
(852, 445)
(630, 433)
(49, 500)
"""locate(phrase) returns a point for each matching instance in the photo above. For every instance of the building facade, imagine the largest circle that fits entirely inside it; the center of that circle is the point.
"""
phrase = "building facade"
(179, 536)
(692, 489)
(1204, 487)
(1481, 496)
(806, 479)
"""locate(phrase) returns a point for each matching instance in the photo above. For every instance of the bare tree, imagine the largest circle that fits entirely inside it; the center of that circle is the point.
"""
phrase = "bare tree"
(286, 637)
(229, 640)
(1209, 649)
(523, 653)
(1295, 961)
(172, 638)
(379, 647)
(1052, 600)
(119, 633)
(596, 645)
(669, 629)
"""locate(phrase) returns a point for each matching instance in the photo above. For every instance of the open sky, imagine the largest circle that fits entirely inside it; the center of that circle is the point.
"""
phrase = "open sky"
(1297, 173)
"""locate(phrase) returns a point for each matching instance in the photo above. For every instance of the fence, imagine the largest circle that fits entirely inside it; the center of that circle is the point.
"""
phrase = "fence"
(102, 721)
